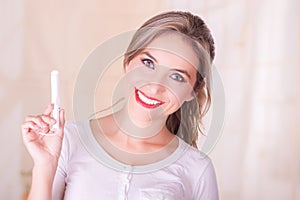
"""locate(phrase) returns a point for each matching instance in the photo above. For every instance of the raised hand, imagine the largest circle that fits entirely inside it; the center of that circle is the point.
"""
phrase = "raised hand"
(43, 144)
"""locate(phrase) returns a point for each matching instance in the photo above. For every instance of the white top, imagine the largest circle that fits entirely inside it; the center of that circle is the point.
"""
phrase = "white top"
(86, 171)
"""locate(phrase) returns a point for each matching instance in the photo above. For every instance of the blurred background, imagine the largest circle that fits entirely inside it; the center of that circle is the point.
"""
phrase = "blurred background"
(257, 56)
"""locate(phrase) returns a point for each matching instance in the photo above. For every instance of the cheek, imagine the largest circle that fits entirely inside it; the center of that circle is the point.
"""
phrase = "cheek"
(179, 96)
(138, 75)
(181, 91)
(131, 65)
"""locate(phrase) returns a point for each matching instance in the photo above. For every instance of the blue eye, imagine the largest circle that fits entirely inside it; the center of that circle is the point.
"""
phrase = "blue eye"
(177, 77)
(148, 63)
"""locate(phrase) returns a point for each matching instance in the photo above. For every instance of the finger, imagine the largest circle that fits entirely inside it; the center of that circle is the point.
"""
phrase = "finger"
(27, 126)
(32, 127)
(27, 131)
(46, 131)
(48, 109)
(37, 120)
(48, 119)
(61, 121)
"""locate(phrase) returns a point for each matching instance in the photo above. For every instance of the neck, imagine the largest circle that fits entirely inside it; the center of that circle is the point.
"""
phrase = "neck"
(139, 127)
(127, 141)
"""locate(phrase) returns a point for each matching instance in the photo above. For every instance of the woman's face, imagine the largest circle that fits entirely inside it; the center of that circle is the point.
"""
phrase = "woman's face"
(162, 76)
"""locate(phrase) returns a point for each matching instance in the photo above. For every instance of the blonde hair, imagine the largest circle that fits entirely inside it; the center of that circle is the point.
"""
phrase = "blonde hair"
(186, 122)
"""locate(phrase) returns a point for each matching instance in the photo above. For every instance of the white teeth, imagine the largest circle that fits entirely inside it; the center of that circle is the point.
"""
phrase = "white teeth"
(146, 100)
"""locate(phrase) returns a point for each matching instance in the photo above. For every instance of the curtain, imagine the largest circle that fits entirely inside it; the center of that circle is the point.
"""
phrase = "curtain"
(257, 56)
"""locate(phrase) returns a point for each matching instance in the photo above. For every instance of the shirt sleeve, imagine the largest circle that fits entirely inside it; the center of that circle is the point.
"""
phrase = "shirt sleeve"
(206, 187)
(58, 188)
(59, 183)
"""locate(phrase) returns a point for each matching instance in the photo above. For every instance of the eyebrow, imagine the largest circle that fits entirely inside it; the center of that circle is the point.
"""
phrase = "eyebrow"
(149, 55)
(184, 72)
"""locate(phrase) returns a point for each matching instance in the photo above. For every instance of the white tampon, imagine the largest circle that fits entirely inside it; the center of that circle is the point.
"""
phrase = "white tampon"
(55, 99)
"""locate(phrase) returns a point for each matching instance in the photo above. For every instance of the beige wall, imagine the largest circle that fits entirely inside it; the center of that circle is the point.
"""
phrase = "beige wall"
(257, 155)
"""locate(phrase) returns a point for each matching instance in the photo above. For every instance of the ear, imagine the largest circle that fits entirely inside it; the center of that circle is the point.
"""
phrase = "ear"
(125, 67)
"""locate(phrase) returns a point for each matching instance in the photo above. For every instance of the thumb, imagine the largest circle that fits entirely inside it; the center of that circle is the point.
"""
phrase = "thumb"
(61, 122)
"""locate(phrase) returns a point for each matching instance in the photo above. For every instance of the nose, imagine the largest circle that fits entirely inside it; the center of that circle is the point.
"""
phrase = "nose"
(155, 88)
(158, 83)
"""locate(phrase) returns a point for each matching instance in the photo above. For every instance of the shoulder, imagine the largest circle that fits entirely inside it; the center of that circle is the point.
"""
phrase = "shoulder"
(194, 159)
(200, 163)
(202, 174)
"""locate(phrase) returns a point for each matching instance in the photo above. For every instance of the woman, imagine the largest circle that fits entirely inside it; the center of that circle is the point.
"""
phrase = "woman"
(146, 150)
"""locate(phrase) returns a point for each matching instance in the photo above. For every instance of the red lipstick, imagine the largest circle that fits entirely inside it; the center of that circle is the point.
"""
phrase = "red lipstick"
(146, 101)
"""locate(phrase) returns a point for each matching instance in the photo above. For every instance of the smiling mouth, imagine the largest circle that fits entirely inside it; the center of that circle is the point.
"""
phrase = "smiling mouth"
(146, 101)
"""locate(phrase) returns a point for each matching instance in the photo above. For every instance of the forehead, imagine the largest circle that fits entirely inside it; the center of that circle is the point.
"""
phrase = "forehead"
(175, 44)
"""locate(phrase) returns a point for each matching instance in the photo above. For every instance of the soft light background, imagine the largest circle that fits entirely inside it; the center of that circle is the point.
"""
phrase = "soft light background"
(258, 47)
